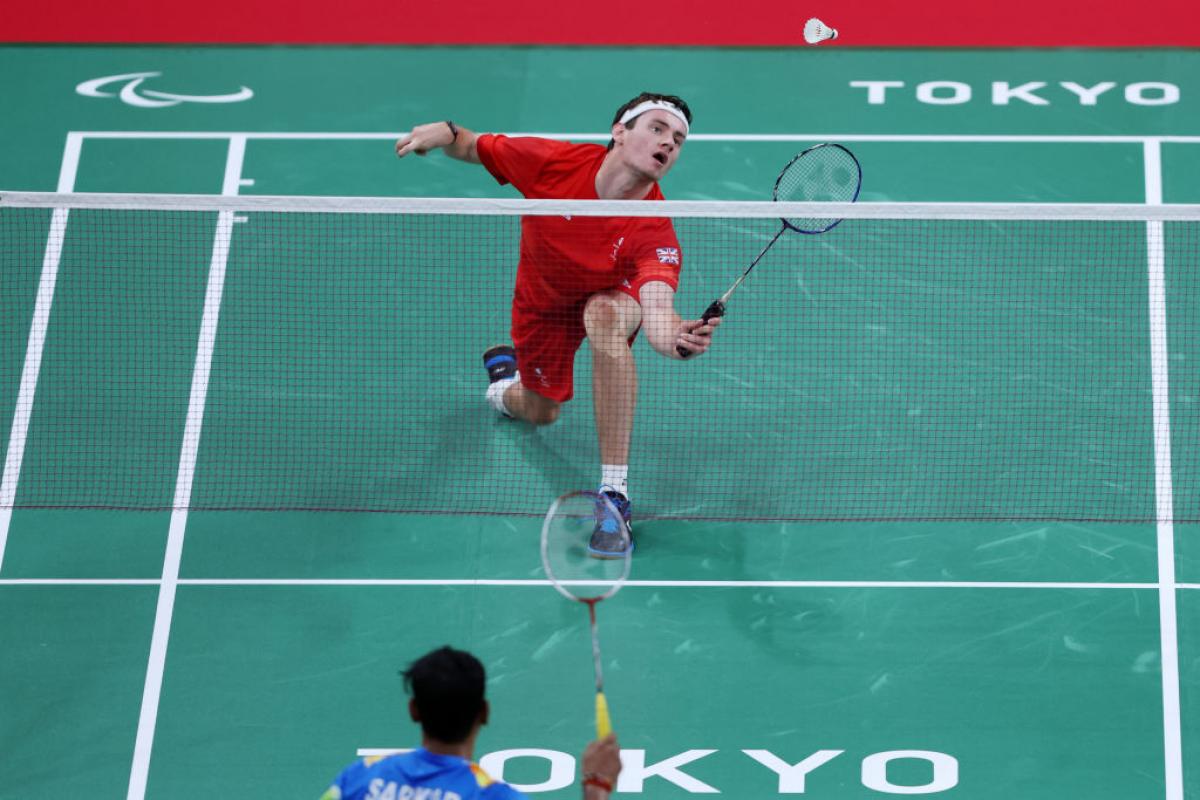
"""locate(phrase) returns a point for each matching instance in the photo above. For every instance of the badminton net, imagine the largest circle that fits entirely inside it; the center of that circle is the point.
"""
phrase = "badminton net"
(923, 362)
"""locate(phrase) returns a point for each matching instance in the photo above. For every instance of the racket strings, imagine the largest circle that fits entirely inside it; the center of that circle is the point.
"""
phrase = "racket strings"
(571, 564)
(824, 174)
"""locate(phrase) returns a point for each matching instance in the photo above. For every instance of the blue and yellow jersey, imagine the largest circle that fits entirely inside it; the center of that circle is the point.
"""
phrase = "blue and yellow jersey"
(419, 775)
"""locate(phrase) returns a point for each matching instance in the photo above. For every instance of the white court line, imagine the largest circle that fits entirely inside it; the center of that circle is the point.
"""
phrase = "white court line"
(543, 583)
(1164, 491)
(36, 341)
(677, 584)
(696, 137)
(152, 690)
(81, 582)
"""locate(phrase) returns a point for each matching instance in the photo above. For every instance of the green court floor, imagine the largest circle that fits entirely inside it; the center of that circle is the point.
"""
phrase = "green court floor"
(979, 610)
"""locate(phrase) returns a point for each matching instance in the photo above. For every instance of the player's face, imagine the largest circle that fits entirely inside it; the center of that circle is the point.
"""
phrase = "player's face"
(652, 145)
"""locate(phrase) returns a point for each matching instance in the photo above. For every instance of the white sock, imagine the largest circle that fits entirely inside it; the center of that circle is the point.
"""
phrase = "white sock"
(495, 393)
(615, 476)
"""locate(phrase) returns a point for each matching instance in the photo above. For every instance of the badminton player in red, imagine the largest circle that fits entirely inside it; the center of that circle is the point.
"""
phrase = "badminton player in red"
(599, 278)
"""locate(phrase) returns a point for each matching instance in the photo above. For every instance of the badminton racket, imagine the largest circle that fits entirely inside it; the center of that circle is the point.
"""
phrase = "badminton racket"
(579, 575)
(824, 173)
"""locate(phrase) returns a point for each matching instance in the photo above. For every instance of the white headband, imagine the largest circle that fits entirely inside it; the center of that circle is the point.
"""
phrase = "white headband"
(642, 108)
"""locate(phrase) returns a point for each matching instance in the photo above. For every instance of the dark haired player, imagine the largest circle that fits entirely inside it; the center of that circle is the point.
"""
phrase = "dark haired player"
(603, 278)
(447, 688)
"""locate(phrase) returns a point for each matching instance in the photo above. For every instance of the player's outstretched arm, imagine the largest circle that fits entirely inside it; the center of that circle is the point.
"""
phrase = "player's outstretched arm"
(665, 330)
(457, 141)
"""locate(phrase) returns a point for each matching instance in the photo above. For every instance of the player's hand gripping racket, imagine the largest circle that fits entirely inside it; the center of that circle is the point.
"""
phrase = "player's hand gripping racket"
(824, 173)
(578, 575)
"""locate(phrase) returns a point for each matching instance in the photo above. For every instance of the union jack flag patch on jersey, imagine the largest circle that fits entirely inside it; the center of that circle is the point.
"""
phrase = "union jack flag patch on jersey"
(668, 255)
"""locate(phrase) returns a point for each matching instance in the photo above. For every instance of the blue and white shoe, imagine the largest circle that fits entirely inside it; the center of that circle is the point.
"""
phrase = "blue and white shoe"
(500, 362)
(612, 537)
(501, 365)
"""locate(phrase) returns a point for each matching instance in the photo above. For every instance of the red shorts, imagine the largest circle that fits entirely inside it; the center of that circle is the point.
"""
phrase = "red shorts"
(546, 343)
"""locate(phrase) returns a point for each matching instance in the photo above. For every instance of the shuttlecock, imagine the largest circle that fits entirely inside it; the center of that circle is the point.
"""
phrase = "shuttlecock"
(816, 31)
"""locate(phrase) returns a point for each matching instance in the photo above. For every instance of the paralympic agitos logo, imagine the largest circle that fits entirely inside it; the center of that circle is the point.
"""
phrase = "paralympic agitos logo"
(135, 94)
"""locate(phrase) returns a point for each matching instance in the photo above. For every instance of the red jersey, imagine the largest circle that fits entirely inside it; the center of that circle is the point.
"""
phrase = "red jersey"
(566, 259)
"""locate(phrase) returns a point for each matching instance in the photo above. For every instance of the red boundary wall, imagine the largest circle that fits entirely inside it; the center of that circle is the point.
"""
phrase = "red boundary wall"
(862, 23)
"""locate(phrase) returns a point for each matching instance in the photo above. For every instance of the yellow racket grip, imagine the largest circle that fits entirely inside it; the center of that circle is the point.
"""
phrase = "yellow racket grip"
(603, 723)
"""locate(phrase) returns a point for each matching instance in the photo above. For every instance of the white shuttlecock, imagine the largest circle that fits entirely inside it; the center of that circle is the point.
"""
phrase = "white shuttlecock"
(816, 31)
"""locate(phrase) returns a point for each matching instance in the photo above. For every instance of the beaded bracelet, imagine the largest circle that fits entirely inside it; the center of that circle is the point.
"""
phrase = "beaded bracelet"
(599, 781)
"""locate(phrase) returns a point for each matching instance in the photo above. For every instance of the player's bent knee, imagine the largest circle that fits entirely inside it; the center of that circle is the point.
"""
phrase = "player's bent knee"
(600, 316)
(541, 410)
(609, 320)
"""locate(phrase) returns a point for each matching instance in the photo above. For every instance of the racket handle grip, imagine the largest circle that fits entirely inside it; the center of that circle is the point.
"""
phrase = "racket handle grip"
(603, 722)
(715, 309)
